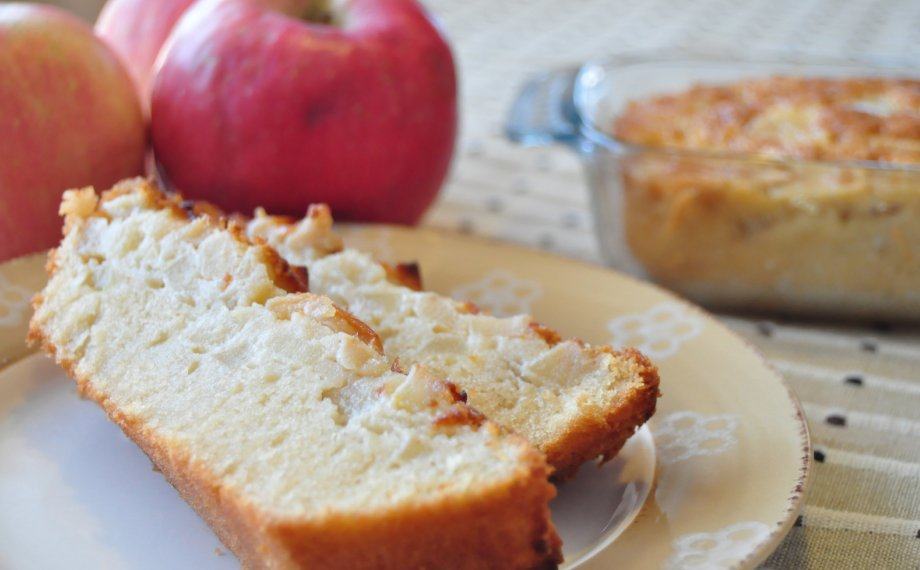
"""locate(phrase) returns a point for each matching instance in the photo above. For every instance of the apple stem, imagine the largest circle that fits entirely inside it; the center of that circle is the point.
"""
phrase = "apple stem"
(315, 11)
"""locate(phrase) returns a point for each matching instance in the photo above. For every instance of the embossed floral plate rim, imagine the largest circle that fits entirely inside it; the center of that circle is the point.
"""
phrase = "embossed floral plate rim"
(710, 446)
(442, 255)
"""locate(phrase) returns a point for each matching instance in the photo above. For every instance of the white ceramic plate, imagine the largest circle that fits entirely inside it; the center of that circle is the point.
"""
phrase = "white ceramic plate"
(719, 487)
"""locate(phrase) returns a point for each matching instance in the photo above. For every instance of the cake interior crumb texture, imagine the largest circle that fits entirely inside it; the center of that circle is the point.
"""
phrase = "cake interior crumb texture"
(179, 328)
(574, 401)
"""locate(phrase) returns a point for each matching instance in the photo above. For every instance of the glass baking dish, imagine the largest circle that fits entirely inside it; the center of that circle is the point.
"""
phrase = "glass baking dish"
(837, 239)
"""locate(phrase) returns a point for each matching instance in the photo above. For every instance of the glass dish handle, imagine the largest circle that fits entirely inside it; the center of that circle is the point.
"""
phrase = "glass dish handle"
(544, 110)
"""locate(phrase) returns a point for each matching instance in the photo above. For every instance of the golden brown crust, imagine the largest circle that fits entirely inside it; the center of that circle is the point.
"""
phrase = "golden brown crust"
(547, 334)
(459, 416)
(456, 394)
(291, 278)
(197, 208)
(469, 308)
(484, 533)
(406, 274)
(874, 119)
(604, 433)
(358, 328)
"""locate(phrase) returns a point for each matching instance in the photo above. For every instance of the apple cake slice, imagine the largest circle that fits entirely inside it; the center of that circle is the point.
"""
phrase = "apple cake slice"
(271, 410)
(573, 401)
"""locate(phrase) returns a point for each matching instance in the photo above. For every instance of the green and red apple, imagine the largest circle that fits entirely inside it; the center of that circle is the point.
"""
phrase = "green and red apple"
(69, 117)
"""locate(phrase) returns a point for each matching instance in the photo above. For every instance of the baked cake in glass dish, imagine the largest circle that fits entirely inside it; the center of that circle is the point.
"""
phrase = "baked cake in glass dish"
(779, 193)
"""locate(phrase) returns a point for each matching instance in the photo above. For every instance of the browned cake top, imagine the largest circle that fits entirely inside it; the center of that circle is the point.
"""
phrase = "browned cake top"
(830, 119)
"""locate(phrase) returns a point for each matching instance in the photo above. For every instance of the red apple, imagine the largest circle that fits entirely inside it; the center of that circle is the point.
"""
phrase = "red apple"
(69, 117)
(280, 104)
(136, 29)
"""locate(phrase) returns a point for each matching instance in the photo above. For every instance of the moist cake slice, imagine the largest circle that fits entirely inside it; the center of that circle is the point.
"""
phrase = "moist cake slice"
(270, 409)
(573, 401)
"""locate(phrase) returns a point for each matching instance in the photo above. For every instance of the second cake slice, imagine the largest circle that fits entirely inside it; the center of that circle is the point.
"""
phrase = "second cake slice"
(572, 400)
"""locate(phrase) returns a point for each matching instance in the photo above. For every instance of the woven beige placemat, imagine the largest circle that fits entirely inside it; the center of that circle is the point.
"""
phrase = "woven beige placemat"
(860, 386)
